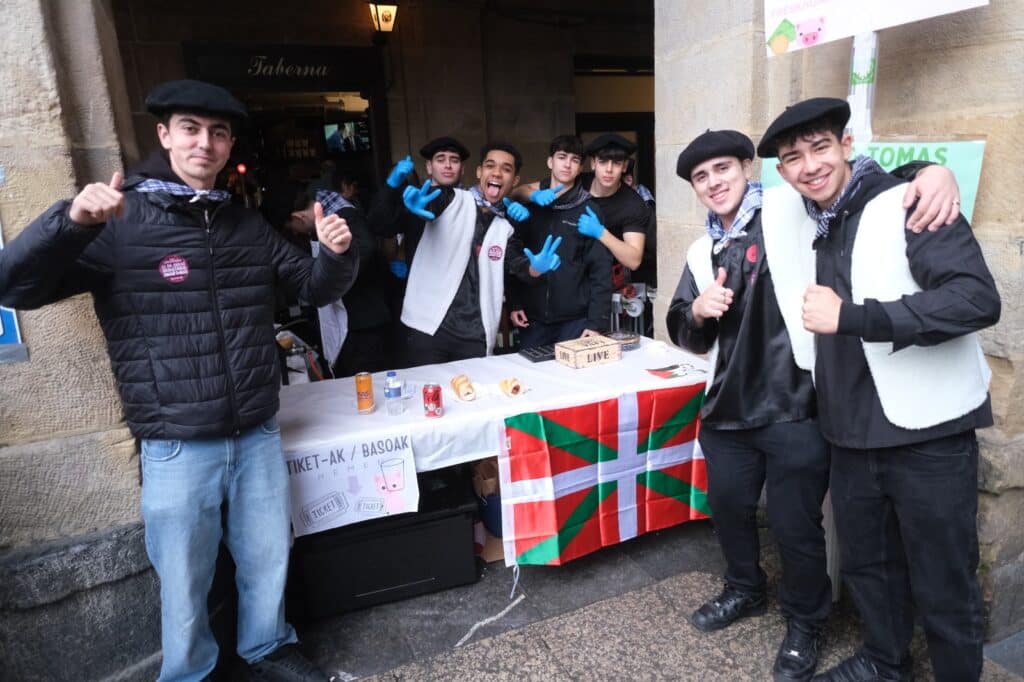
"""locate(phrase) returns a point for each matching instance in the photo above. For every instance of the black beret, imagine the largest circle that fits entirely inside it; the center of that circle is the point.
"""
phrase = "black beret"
(610, 140)
(710, 145)
(197, 96)
(800, 114)
(444, 144)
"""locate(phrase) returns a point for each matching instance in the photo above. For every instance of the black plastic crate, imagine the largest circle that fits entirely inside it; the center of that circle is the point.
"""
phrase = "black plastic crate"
(391, 558)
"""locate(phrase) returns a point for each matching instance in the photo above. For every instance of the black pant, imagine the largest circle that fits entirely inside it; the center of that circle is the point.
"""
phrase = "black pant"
(364, 350)
(424, 349)
(908, 539)
(543, 333)
(793, 460)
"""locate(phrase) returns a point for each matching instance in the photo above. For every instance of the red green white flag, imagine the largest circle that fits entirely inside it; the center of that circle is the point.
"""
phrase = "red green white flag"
(576, 479)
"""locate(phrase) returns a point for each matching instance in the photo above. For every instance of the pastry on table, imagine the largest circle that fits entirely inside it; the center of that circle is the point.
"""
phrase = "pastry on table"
(463, 388)
(511, 387)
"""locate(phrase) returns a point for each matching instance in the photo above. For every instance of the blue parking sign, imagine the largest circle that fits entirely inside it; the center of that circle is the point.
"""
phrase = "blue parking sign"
(8, 327)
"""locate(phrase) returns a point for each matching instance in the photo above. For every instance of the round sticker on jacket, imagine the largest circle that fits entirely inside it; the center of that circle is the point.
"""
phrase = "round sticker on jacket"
(494, 253)
(174, 269)
(752, 253)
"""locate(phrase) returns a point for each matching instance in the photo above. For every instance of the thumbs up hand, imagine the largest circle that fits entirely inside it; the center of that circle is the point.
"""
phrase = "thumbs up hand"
(590, 225)
(545, 197)
(515, 210)
(400, 172)
(713, 301)
(98, 202)
(332, 230)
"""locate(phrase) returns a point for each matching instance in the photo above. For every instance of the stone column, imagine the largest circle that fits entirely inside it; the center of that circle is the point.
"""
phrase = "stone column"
(952, 77)
(73, 560)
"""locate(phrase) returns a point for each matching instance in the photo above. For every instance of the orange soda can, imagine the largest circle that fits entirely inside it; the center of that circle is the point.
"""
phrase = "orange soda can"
(364, 393)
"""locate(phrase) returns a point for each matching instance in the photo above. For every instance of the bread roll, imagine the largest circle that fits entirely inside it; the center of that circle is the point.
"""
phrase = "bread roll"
(463, 388)
(511, 387)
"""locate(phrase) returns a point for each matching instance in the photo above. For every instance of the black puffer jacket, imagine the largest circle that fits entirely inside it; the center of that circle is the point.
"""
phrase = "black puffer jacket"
(184, 294)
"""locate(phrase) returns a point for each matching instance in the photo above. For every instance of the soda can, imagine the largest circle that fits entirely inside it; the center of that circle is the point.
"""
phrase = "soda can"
(364, 393)
(433, 405)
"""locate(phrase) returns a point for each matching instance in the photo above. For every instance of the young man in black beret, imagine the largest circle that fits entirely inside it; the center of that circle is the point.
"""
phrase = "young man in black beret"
(183, 284)
(901, 384)
(443, 161)
(573, 299)
(758, 420)
(454, 296)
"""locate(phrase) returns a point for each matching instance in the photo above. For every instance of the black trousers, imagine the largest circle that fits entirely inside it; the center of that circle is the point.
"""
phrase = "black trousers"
(791, 461)
(908, 540)
(424, 349)
(541, 333)
(364, 350)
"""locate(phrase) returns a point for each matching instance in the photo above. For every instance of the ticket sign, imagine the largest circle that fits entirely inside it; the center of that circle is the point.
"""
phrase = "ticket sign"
(353, 479)
(791, 25)
(963, 158)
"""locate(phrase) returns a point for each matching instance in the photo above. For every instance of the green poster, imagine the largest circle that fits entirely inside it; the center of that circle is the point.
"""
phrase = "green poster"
(963, 158)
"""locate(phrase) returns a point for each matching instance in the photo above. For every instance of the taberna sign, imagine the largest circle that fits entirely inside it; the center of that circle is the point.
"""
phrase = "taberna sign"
(296, 68)
(264, 66)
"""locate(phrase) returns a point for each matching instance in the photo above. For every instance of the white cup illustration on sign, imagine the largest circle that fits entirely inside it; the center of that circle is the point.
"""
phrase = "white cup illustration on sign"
(393, 471)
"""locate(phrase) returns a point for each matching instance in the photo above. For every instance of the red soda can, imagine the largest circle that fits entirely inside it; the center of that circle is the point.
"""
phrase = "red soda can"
(433, 405)
(364, 393)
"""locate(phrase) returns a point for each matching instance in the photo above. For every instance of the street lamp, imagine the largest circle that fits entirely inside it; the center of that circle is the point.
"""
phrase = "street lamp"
(383, 15)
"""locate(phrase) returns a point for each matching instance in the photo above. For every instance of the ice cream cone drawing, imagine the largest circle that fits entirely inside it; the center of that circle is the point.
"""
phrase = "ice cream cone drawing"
(785, 33)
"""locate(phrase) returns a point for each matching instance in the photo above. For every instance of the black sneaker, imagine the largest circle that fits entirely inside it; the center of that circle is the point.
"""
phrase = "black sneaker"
(727, 608)
(286, 664)
(858, 668)
(798, 653)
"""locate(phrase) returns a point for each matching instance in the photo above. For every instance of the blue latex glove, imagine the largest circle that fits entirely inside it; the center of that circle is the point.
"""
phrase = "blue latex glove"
(399, 269)
(515, 210)
(416, 199)
(546, 197)
(400, 172)
(546, 259)
(589, 225)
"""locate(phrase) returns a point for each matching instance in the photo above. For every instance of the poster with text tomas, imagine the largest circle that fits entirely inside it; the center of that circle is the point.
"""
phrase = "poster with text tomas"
(791, 25)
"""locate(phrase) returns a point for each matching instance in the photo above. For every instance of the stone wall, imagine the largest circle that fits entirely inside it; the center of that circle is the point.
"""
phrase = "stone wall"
(953, 77)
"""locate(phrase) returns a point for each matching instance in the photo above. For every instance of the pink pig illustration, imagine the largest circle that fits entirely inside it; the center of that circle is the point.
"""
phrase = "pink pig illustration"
(393, 503)
(810, 31)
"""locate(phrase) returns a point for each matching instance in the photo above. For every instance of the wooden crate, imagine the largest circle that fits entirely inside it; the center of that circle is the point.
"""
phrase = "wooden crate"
(592, 350)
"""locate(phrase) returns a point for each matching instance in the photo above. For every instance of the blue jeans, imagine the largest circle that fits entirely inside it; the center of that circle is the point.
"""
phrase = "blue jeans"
(185, 485)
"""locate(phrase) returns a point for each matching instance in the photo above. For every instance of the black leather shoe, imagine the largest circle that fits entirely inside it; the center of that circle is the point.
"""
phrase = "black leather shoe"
(727, 608)
(858, 668)
(798, 653)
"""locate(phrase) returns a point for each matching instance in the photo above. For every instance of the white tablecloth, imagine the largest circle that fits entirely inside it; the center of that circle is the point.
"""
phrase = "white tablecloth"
(315, 415)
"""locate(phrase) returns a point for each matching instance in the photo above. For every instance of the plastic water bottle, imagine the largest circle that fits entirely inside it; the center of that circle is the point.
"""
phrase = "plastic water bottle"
(393, 394)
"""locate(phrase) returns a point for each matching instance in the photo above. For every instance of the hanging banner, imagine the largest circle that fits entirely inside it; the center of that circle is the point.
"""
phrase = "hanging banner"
(963, 158)
(352, 480)
(791, 25)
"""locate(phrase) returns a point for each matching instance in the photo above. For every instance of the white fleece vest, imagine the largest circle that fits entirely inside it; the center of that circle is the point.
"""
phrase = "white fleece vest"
(440, 261)
(918, 386)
